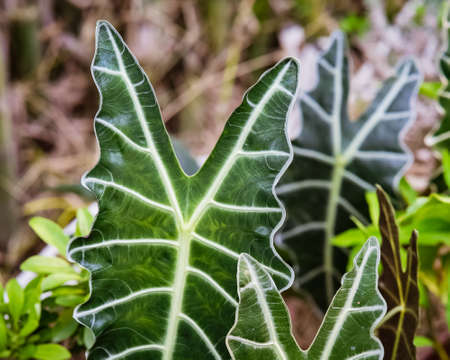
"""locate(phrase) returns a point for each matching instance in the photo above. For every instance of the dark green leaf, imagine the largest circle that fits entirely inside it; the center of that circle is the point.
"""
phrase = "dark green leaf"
(398, 287)
(164, 247)
(262, 329)
(336, 161)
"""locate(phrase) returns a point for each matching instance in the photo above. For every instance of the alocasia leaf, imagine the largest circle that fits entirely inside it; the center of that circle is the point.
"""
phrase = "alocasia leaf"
(398, 287)
(336, 161)
(441, 138)
(262, 330)
(164, 247)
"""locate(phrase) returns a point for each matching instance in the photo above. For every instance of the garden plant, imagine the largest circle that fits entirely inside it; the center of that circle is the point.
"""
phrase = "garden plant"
(188, 262)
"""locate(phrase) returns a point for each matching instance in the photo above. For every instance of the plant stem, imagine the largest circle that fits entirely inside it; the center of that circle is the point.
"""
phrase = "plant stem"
(333, 199)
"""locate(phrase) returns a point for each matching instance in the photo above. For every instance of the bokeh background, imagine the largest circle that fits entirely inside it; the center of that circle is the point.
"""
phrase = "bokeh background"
(200, 56)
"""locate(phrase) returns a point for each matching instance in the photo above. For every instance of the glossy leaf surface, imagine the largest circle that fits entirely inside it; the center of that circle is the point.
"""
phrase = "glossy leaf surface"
(398, 287)
(262, 329)
(336, 161)
(164, 247)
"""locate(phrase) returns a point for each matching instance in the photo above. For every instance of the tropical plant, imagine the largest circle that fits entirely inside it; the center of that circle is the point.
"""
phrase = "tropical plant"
(164, 247)
(430, 217)
(262, 329)
(335, 162)
(34, 319)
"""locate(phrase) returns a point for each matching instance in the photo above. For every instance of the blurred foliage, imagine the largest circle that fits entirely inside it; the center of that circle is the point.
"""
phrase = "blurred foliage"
(36, 318)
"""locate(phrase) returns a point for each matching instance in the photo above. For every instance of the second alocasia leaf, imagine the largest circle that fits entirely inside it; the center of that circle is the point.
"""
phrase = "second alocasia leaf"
(164, 248)
(336, 161)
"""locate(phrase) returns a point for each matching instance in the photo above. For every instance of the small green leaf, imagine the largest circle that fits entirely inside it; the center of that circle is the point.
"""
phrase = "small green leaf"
(430, 89)
(51, 352)
(57, 279)
(70, 300)
(51, 233)
(407, 191)
(398, 287)
(32, 307)
(84, 222)
(15, 300)
(374, 209)
(46, 265)
(422, 341)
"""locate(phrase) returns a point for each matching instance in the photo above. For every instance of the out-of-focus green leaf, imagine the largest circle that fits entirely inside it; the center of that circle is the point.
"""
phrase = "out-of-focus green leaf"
(70, 300)
(407, 191)
(429, 216)
(164, 247)
(32, 307)
(336, 161)
(446, 166)
(51, 352)
(46, 265)
(374, 209)
(57, 279)
(262, 328)
(422, 341)
(447, 308)
(84, 222)
(15, 301)
(430, 89)
(3, 334)
(51, 233)
(354, 24)
(399, 288)
(64, 328)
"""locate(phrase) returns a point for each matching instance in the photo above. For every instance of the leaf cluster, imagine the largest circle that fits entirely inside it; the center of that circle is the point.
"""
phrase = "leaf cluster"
(34, 319)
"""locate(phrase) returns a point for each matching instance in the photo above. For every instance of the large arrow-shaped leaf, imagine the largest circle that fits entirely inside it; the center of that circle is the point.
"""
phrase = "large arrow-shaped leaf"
(399, 288)
(442, 136)
(263, 331)
(164, 248)
(336, 161)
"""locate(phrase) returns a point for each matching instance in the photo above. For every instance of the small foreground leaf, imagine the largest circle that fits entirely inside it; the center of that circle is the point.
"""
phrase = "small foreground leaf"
(262, 328)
